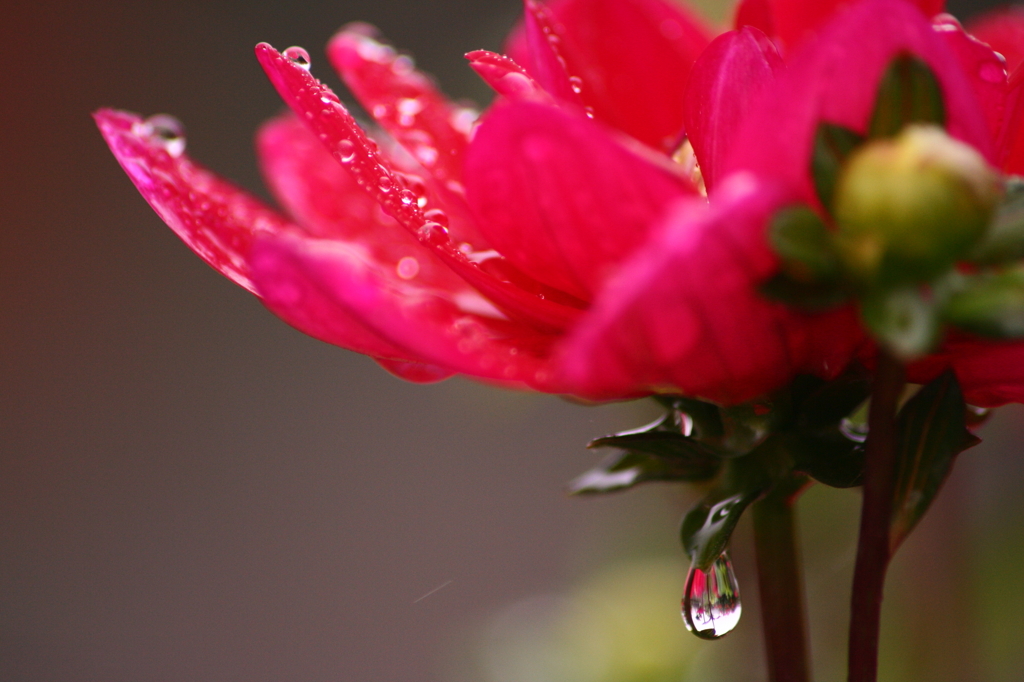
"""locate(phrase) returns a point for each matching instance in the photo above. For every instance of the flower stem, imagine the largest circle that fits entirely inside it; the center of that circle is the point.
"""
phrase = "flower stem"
(876, 513)
(781, 586)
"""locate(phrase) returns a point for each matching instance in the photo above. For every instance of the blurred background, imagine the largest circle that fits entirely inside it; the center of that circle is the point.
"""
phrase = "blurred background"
(192, 490)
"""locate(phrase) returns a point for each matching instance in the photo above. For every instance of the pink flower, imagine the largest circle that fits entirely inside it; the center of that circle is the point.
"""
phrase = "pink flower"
(553, 243)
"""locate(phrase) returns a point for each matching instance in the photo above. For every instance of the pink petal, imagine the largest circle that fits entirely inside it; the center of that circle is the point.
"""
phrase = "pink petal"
(415, 372)
(1011, 138)
(990, 373)
(684, 315)
(324, 198)
(633, 58)
(835, 78)
(756, 13)
(547, 63)
(507, 78)
(795, 20)
(1003, 30)
(985, 69)
(323, 113)
(321, 281)
(213, 217)
(404, 102)
(560, 198)
(725, 81)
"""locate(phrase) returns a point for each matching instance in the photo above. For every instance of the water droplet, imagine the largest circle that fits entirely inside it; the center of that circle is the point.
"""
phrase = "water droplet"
(346, 150)
(438, 216)
(432, 233)
(298, 55)
(386, 184)
(407, 197)
(855, 430)
(576, 83)
(711, 601)
(167, 132)
(408, 267)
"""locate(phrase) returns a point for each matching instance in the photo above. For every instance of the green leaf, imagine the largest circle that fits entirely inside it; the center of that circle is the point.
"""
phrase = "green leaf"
(833, 145)
(990, 305)
(931, 433)
(706, 528)
(831, 402)
(908, 93)
(622, 470)
(903, 320)
(706, 417)
(830, 459)
(804, 244)
(661, 438)
(1004, 239)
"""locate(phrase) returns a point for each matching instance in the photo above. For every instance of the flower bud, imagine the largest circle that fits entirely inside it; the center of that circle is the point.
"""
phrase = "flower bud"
(909, 207)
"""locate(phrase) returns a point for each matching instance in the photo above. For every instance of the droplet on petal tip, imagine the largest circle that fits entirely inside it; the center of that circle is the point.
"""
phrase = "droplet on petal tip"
(711, 600)
(164, 131)
(298, 55)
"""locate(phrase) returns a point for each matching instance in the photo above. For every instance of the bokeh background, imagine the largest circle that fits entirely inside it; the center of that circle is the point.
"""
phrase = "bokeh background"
(192, 490)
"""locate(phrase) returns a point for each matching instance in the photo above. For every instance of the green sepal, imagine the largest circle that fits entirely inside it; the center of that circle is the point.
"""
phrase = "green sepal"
(990, 305)
(908, 93)
(804, 244)
(706, 417)
(706, 529)
(828, 458)
(623, 470)
(833, 145)
(903, 319)
(829, 403)
(1004, 239)
(661, 438)
(931, 432)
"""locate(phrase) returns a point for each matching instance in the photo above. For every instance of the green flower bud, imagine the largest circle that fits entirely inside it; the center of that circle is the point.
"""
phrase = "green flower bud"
(907, 208)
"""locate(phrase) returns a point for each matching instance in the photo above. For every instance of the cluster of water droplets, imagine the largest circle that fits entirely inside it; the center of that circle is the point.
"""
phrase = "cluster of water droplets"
(163, 131)
(711, 600)
(991, 70)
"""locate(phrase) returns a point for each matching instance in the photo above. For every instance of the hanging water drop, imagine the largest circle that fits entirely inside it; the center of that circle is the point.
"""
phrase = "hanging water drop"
(576, 83)
(711, 600)
(166, 132)
(298, 55)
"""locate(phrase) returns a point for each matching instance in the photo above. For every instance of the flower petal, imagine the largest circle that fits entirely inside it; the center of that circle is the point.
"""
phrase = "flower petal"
(547, 63)
(990, 373)
(562, 199)
(835, 78)
(985, 69)
(1011, 138)
(633, 58)
(795, 20)
(507, 78)
(684, 315)
(318, 282)
(335, 127)
(325, 200)
(1003, 30)
(404, 102)
(731, 74)
(213, 217)
(756, 13)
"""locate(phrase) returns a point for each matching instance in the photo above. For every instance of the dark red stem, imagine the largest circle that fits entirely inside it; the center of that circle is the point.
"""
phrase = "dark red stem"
(876, 512)
(781, 585)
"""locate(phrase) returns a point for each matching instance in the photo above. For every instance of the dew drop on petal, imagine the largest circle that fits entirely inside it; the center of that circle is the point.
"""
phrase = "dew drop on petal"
(438, 216)
(166, 132)
(576, 83)
(407, 197)
(385, 184)
(434, 234)
(298, 55)
(711, 600)
(346, 150)
(408, 267)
